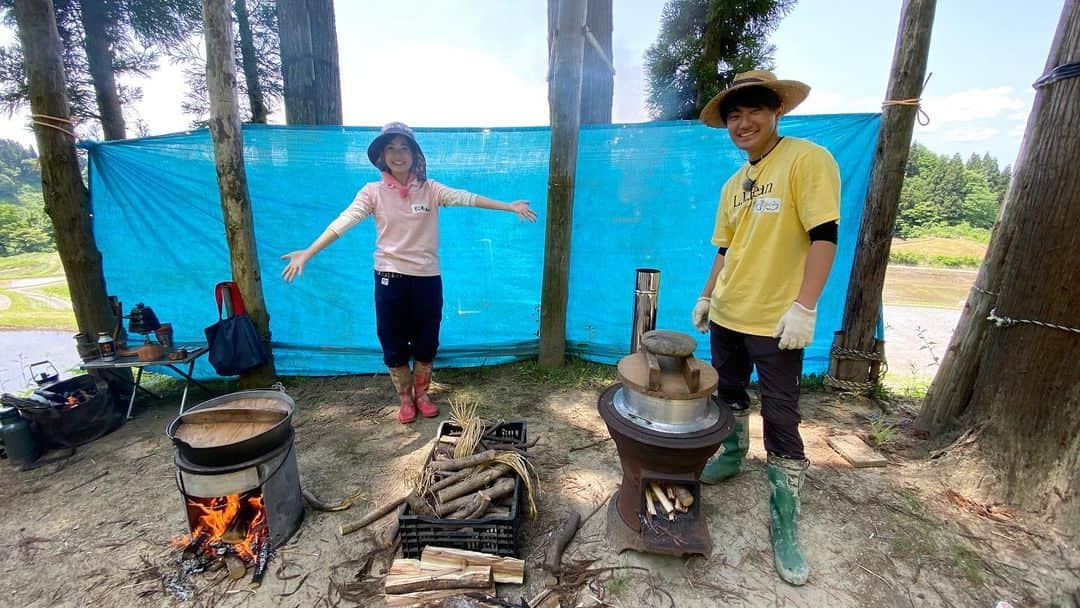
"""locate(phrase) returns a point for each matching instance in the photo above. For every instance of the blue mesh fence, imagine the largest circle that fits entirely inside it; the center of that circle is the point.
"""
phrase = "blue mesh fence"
(645, 197)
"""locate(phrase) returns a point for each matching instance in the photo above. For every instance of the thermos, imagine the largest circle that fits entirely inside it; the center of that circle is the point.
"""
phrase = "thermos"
(19, 442)
(106, 347)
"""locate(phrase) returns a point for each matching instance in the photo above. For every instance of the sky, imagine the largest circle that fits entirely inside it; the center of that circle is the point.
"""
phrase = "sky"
(433, 63)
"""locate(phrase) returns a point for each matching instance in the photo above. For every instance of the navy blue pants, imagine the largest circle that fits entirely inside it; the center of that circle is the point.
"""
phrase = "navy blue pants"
(408, 311)
(734, 354)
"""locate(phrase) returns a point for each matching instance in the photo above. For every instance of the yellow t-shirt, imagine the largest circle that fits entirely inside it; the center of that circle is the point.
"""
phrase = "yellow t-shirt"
(797, 187)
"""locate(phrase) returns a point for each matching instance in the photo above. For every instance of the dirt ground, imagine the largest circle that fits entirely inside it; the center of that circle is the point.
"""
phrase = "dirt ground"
(94, 529)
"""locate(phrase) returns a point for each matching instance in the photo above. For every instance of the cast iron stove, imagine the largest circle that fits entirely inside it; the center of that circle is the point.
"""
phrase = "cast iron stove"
(666, 425)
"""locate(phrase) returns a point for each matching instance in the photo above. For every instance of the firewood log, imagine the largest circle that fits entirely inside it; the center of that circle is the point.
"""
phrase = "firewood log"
(469, 577)
(473, 483)
(684, 495)
(661, 497)
(502, 487)
(456, 464)
(503, 569)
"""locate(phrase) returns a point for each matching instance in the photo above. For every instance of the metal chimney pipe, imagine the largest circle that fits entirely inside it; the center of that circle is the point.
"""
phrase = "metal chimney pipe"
(646, 297)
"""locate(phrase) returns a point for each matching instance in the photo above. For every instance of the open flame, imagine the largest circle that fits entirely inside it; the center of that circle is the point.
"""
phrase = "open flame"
(235, 523)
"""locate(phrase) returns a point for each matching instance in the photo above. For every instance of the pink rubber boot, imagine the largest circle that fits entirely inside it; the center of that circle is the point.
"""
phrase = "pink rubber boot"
(421, 382)
(402, 379)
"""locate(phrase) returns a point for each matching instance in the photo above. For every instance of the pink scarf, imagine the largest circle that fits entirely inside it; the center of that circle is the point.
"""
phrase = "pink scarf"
(391, 182)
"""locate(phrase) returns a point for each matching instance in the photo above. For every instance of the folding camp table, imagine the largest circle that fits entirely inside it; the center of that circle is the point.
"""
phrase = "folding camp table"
(132, 361)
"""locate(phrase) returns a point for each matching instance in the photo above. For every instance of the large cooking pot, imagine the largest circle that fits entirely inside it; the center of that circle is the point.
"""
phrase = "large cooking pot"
(233, 428)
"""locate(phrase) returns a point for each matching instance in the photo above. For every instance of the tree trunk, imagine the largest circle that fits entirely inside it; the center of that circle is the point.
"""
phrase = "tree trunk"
(250, 62)
(597, 79)
(1025, 383)
(100, 60)
(879, 217)
(309, 62)
(324, 53)
(565, 100)
(232, 180)
(66, 200)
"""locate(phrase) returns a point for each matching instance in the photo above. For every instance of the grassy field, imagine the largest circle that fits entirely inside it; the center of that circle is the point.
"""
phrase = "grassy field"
(920, 286)
(938, 252)
(940, 246)
(30, 266)
(19, 309)
(57, 291)
(24, 312)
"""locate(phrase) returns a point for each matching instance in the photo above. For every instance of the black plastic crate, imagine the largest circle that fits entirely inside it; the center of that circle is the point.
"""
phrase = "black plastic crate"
(494, 534)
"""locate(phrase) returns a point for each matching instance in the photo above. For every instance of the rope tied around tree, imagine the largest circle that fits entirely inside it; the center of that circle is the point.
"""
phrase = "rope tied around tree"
(1061, 72)
(850, 386)
(1003, 321)
(41, 120)
(921, 116)
(852, 353)
(854, 386)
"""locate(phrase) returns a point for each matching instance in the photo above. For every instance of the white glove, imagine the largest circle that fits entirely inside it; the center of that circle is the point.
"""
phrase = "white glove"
(700, 316)
(796, 327)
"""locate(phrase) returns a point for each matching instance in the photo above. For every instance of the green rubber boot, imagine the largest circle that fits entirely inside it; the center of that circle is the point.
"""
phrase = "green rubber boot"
(728, 458)
(785, 478)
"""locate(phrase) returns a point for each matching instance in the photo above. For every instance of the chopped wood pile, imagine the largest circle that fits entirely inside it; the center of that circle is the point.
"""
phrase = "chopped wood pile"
(442, 573)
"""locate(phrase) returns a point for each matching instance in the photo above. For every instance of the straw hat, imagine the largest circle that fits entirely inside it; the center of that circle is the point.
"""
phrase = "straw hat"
(791, 92)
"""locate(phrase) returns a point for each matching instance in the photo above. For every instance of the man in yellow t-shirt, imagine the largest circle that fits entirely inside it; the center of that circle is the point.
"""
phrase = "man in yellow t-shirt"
(776, 228)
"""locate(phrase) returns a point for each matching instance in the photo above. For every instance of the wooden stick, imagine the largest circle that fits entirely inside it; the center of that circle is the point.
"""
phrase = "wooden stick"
(450, 480)
(473, 483)
(502, 487)
(562, 537)
(372, 517)
(661, 497)
(456, 464)
(650, 508)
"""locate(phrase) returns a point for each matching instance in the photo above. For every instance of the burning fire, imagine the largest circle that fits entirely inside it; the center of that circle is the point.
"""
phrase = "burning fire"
(235, 523)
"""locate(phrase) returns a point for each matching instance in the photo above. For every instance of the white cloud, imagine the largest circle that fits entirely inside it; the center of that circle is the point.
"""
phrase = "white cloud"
(970, 134)
(1023, 116)
(1017, 131)
(972, 104)
(831, 102)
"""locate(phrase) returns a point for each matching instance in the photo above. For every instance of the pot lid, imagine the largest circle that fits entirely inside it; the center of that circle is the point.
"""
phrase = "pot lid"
(665, 367)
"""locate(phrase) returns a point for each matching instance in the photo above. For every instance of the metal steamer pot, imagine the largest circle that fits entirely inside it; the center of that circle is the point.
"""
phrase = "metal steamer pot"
(664, 388)
(242, 451)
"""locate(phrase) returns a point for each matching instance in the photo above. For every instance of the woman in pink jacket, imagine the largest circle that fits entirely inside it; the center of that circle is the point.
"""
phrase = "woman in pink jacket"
(408, 286)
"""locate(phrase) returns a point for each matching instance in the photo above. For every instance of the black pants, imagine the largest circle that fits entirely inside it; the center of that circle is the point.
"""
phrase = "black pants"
(408, 311)
(734, 354)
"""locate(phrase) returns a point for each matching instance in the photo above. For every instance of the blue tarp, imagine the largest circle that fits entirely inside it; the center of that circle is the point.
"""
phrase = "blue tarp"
(646, 196)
